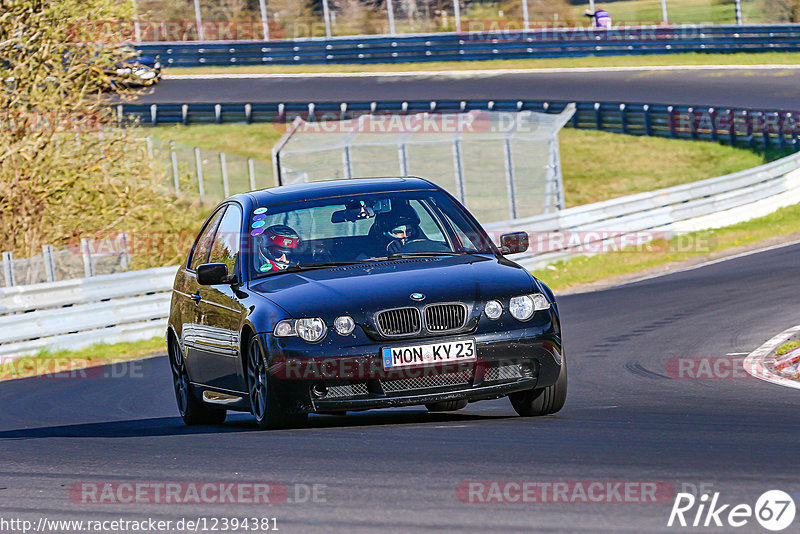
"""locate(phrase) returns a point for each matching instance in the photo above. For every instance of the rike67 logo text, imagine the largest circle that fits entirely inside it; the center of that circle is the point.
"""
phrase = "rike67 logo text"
(774, 510)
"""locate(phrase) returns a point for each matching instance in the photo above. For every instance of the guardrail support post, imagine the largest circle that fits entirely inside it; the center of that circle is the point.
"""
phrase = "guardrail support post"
(671, 121)
(218, 113)
(176, 180)
(648, 120)
(623, 111)
(185, 114)
(198, 164)
(251, 173)
(49, 264)
(248, 113)
(765, 130)
(86, 252)
(8, 269)
(598, 116)
(154, 114)
(712, 115)
(223, 167)
(125, 253)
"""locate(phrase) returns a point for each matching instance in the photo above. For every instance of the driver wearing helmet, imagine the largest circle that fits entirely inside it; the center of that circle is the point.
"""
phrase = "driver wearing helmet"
(400, 228)
(277, 248)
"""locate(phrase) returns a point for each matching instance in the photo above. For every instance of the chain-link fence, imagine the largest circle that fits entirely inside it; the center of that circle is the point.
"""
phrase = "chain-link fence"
(205, 20)
(85, 259)
(501, 165)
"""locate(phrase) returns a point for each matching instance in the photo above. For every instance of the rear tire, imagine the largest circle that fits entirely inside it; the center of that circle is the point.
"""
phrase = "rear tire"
(542, 401)
(447, 406)
(193, 411)
(265, 402)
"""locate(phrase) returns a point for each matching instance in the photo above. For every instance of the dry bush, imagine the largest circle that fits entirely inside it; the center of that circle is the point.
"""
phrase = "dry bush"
(65, 171)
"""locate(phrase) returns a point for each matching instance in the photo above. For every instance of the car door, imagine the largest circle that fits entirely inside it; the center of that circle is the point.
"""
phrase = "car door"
(219, 311)
(189, 297)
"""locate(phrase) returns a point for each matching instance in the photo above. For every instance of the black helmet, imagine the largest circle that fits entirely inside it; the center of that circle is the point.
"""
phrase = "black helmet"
(401, 219)
(276, 241)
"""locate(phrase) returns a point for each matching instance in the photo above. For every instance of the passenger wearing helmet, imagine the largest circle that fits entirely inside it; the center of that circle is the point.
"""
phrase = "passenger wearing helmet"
(277, 248)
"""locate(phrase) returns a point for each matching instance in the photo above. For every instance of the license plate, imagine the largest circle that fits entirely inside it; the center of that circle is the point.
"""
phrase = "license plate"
(452, 352)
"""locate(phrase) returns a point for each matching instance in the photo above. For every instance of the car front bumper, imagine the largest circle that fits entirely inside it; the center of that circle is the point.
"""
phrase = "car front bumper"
(352, 378)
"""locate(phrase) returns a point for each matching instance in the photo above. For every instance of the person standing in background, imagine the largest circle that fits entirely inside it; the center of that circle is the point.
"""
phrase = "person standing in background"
(601, 17)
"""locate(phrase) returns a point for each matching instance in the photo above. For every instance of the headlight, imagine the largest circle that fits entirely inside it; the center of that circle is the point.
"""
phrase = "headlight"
(344, 325)
(493, 309)
(311, 330)
(285, 329)
(522, 307)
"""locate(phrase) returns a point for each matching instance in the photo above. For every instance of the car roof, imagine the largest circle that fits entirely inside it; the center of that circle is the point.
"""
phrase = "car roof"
(334, 188)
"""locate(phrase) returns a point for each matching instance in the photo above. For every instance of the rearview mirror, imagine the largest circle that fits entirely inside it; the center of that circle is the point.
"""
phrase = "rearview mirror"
(352, 214)
(211, 274)
(514, 243)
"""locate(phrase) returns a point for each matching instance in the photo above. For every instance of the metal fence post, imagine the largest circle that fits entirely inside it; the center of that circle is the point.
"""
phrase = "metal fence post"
(458, 165)
(125, 252)
(525, 19)
(402, 156)
(512, 193)
(251, 173)
(198, 20)
(457, 14)
(347, 164)
(198, 164)
(49, 264)
(86, 252)
(223, 166)
(176, 180)
(149, 144)
(8, 268)
(738, 7)
(262, 4)
(326, 14)
(390, 12)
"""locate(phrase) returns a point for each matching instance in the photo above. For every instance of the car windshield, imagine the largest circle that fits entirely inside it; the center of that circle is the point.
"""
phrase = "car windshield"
(354, 229)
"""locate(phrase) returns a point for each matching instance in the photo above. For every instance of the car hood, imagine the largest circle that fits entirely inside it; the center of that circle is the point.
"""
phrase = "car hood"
(359, 290)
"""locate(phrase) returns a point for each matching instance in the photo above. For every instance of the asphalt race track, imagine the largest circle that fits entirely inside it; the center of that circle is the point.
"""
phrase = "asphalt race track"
(626, 419)
(738, 88)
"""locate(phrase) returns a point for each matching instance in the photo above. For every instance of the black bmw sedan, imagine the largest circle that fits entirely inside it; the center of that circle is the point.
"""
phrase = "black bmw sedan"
(350, 295)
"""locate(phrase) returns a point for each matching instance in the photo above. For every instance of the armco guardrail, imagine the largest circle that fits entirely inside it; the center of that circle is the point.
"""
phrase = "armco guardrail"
(705, 204)
(134, 305)
(737, 127)
(471, 46)
(72, 314)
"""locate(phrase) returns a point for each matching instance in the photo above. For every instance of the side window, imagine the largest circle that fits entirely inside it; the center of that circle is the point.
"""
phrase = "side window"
(225, 247)
(203, 243)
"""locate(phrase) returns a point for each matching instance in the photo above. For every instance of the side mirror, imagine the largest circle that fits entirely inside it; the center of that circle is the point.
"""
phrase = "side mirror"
(211, 274)
(514, 243)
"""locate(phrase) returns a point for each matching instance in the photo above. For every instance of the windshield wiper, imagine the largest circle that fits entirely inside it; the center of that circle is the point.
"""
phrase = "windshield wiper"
(407, 255)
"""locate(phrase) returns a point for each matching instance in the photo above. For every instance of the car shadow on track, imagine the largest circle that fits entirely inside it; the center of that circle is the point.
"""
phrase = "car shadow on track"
(173, 426)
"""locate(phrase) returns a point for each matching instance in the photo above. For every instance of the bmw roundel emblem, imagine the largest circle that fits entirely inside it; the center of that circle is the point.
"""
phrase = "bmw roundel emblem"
(417, 296)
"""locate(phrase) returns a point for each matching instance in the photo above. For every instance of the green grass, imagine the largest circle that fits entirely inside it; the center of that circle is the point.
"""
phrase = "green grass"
(786, 347)
(595, 165)
(587, 269)
(691, 58)
(51, 362)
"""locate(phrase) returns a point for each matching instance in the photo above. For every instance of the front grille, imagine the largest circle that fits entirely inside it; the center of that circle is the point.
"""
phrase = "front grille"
(399, 322)
(445, 317)
(460, 378)
(347, 390)
(503, 372)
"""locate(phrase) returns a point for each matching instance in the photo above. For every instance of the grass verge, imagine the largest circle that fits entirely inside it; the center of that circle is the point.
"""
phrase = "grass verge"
(62, 363)
(588, 269)
(690, 58)
(596, 165)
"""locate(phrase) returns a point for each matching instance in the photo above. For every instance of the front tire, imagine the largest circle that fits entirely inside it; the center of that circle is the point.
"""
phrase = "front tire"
(263, 391)
(192, 410)
(542, 401)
